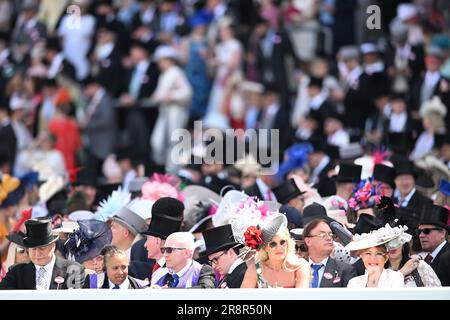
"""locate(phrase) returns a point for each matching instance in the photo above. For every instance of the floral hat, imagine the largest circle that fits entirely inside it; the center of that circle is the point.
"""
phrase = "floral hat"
(391, 237)
(254, 225)
(366, 195)
(161, 186)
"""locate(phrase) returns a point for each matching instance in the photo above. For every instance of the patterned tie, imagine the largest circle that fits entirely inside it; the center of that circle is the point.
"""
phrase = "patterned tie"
(315, 280)
(429, 259)
(41, 283)
(176, 279)
(116, 287)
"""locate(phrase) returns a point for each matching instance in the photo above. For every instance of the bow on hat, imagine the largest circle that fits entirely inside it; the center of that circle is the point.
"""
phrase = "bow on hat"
(8, 185)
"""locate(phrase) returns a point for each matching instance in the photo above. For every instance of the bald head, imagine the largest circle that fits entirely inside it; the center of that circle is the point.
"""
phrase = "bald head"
(181, 240)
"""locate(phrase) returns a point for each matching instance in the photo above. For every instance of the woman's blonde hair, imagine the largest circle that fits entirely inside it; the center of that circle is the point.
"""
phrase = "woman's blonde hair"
(291, 261)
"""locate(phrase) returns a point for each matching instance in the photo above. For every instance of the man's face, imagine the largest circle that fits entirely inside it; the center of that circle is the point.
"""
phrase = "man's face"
(153, 245)
(119, 234)
(95, 264)
(117, 268)
(405, 183)
(319, 242)
(433, 239)
(298, 203)
(179, 257)
(90, 193)
(41, 256)
(221, 261)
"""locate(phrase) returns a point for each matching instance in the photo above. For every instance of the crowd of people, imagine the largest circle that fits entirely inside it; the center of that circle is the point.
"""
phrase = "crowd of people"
(92, 197)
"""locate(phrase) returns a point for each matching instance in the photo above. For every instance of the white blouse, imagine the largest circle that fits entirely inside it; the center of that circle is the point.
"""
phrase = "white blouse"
(388, 279)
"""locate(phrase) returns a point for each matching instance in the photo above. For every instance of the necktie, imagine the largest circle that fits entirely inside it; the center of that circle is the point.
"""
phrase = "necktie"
(315, 280)
(155, 267)
(116, 287)
(135, 83)
(176, 279)
(268, 195)
(41, 282)
(428, 259)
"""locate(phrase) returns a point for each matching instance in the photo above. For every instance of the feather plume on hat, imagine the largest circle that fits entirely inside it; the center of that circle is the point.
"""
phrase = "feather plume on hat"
(107, 208)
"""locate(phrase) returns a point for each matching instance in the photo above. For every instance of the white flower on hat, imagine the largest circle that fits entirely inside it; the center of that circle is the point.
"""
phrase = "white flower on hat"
(391, 237)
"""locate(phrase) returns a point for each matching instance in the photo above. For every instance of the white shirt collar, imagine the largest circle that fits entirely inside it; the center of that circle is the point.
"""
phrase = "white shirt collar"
(324, 261)
(123, 285)
(161, 262)
(406, 199)
(318, 100)
(235, 264)
(398, 122)
(264, 188)
(182, 271)
(432, 78)
(438, 249)
(142, 66)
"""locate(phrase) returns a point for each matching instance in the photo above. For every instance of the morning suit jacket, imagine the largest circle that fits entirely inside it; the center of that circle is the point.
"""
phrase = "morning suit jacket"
(415, 93)
(341, 273)
(101, 128)
(8, 142)
(110, 72)
(23, 276)
(234, 279)
(416, 203)
(148, 83)
(442, 266)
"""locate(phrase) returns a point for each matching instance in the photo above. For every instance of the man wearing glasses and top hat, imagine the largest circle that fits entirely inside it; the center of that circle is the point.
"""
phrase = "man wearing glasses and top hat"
(46, 270)
(180, 270)
(222, 251)
(433, 233)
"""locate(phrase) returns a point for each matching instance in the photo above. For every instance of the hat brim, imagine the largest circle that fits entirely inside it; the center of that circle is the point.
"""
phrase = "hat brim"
(30, 244)
(223, 247)
(368, 242)
(338, 178)
(125, 224)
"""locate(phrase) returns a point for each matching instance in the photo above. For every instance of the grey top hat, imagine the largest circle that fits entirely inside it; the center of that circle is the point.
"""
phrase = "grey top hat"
(130, 220)
(349, 52)
(137, 183)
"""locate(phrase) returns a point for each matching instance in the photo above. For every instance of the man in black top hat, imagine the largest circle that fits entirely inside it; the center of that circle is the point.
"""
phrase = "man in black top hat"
(384, 176)
(167, 217)
(222, 251)
(433, 232)
(348, 175)
(46, 270)
(289, 193)
(406, 195)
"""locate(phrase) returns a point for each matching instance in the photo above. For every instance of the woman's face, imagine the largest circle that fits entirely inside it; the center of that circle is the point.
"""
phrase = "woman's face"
(117, 268)
(95, 264)
(374, 258)
(395, 253)
(277, 248)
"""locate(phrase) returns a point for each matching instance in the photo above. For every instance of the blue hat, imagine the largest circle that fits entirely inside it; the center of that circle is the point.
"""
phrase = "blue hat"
(293, 215)
(26, 182)
(88, 241)
(200, 18)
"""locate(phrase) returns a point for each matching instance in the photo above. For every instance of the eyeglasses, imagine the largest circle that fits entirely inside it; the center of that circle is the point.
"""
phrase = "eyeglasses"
(169, 250)
(215, 260)
(273, 244)
(427, 230)
(377, 254)
(323, 235)
(302, 247)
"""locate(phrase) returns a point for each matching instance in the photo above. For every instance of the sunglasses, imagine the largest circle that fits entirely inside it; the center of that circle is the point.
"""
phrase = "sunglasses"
(427, 230)
(169, 250)
(273, 244)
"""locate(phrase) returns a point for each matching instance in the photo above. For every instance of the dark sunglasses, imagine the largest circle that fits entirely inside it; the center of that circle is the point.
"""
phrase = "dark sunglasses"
(427, 230)
(169, 250)
(302, 247)
(273, 244)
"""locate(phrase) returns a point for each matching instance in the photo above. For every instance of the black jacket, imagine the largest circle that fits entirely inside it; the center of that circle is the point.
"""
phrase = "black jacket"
(234, 279)
(23, 276)
(441, 265)
(340, 272)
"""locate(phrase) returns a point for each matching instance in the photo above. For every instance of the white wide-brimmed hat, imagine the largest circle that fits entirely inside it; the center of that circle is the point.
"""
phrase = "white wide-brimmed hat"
(391, 237)
(51, 187)
(165, 52)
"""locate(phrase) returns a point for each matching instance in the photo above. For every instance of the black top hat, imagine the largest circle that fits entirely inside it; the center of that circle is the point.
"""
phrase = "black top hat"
(384, 174)
(39, 233)
(315, 211)
(163, 226)
(141, 44)
(169, 207)
(348, 172)
(219, 239)
(405, 167)
(400, 142)
(286, 191)
(435, 215)
(83, 178)
(367, 223)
